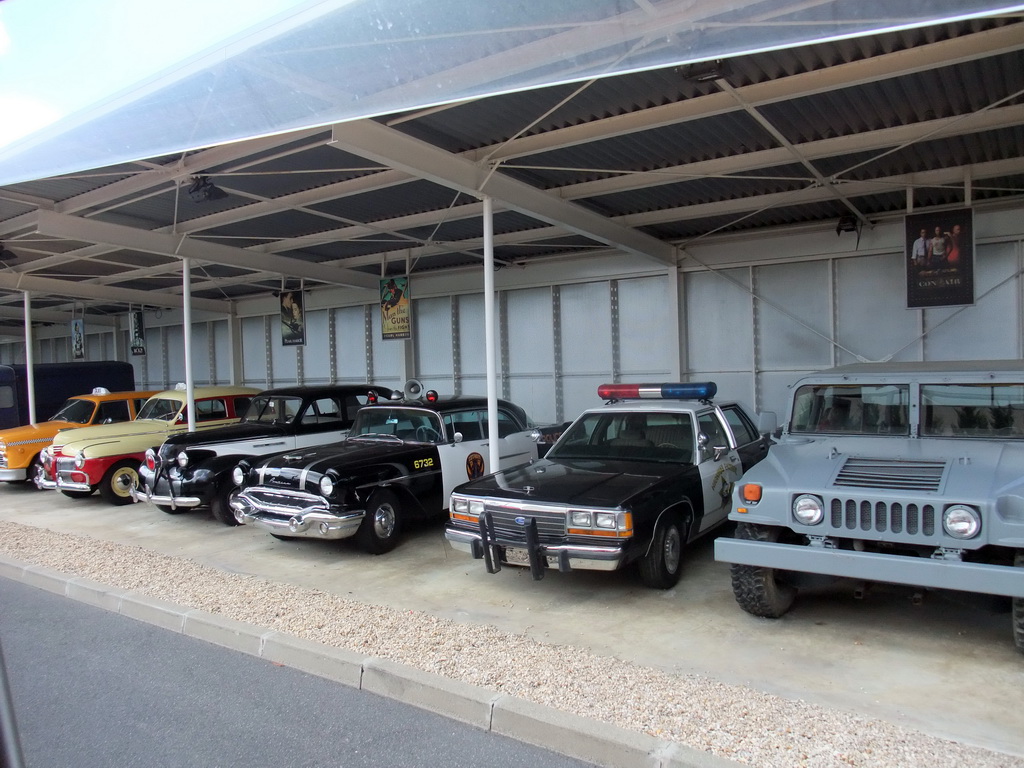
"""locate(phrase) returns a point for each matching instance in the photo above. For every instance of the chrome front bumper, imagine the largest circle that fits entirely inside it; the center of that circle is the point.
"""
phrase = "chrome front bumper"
(579, 557)
(294, 522)
(13, 475)
(144, 494)
(67, 484)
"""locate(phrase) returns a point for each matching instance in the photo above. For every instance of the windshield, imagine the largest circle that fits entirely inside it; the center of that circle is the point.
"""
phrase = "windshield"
(409, 424)
(659, 437)
(268, 410)
(851, 409)
(75, 411)
(161, 408)
(972, 410)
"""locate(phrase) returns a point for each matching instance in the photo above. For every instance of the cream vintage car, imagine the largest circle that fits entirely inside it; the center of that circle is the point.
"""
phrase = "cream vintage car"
(106, 457)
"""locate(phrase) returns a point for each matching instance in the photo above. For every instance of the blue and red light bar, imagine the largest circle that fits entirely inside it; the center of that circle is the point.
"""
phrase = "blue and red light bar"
(694, 390)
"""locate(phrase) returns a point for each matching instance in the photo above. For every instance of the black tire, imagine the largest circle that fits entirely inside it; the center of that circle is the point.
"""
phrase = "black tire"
(382, 526)
(662, 566)
(76, 494)
(279, 537)
(119, 478)
(35, 468)
(219, 507)
(168, 509)
(1018, 608)
(758, 590)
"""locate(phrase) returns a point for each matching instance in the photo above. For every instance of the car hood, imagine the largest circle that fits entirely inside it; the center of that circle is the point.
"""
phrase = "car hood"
(233, 432)
(340, 456)
(44, 430)
(575, 482)
(84, 437)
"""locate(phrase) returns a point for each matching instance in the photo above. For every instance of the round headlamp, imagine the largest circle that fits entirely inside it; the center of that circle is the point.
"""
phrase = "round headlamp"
(182, 459)
(961, 522)
(237, 475)
(808, 510)
(79, 460)
(326, 485)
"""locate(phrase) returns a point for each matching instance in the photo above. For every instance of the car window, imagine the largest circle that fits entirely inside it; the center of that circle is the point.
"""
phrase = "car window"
(472, 424)
(709, 426)
(323, 411)
(413, 424)
(160, 408)
(75, 411)
(212, 409)
(742, 429)
(241, 403)
(113, 411)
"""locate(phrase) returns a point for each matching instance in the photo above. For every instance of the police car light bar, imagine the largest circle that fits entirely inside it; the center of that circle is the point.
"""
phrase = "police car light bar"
(694, 390)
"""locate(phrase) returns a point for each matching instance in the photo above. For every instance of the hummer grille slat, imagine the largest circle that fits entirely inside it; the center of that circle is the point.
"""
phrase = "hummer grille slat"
(881, 517)
(550, 524)
(891, 474)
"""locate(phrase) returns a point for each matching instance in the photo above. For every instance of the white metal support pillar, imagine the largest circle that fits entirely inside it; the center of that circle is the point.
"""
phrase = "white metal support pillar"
(491, 356)
(30, 379)
(186, 307)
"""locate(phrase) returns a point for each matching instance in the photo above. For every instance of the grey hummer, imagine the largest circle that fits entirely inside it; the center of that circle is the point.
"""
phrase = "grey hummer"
(905, 473)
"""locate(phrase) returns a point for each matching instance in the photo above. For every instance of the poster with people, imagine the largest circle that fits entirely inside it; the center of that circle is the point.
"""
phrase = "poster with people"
(293, 319)
(395, 308)
(940, 258)
(78, 339)
(138, 332)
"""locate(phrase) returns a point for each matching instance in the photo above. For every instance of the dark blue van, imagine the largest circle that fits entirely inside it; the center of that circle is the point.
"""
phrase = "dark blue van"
(55, 383)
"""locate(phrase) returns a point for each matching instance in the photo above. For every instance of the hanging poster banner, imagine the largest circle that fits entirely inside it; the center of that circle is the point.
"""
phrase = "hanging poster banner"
(293, 319)
(395, 308)
(78, 339)
(138, 332)
(940, 258)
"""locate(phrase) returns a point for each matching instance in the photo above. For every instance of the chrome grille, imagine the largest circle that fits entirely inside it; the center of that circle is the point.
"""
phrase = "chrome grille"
(550, 522)
(65, 465)
(284, 502)
(882, 517)
(891, 474)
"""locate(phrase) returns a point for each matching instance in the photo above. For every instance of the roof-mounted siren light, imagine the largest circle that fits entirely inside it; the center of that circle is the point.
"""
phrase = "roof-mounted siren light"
(693, 390)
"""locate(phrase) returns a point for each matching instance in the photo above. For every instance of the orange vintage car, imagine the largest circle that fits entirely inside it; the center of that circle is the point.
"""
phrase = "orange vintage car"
(20, 446)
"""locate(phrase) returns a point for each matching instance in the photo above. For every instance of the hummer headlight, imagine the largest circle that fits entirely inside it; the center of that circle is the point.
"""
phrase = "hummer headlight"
(79, 460)
(237, 475)
(182, 459)
(580, 518)
(326, 485)
(808, 509)
(961, 522)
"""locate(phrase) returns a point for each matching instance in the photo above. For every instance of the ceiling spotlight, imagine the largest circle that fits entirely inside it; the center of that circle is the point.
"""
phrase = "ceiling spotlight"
(847, 223)
(202, 189)
(6, 255)
(704, 71)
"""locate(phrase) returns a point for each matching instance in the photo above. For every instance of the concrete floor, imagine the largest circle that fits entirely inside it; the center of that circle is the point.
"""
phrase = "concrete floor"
(946, 666)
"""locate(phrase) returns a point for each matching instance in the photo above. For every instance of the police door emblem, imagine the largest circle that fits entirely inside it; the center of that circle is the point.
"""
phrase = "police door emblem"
(474, 466)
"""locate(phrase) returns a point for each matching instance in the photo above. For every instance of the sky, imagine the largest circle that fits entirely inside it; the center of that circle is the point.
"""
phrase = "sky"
(60, 56)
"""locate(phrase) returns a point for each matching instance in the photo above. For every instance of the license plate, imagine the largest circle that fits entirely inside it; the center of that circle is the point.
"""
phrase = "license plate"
(518, 556)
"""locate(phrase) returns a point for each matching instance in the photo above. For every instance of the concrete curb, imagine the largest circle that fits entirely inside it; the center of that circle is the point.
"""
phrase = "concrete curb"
(543, 726)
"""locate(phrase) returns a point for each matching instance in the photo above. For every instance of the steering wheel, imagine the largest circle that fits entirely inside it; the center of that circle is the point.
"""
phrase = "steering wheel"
(426, 434)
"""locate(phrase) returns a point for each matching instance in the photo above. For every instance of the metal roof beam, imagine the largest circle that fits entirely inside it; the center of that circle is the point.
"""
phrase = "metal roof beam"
(78, 290)
(386, 145)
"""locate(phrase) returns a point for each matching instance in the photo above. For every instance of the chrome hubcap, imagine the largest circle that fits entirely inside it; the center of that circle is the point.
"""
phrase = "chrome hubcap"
(384, 521)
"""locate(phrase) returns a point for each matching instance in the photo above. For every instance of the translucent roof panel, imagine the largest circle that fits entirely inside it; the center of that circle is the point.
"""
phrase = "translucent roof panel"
(88, 85)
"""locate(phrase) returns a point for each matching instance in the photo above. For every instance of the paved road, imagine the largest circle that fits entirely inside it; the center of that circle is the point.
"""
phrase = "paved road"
(92, 688)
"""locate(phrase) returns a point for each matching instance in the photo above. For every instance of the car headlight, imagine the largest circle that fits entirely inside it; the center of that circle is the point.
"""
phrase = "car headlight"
(605, 520)
(182, 459)
(326, 485)
(237, 475)
(580, 518)
(808, 510)
(961, 522)
(79, 460)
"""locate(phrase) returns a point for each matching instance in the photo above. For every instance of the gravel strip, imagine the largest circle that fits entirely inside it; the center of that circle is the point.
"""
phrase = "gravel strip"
(731, 721)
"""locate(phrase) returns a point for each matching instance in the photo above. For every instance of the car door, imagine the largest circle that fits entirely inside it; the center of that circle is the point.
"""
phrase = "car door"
(466, 459)
(719, 465)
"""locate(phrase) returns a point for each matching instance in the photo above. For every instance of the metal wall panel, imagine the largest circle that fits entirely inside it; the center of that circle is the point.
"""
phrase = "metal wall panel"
(433, 326)
(283, 360)
(154, 357)
(586, 315)
(350, 345)
(200, 355)
(531, 352)
(578, 394)
(254, 352)
(222, 352)
(643, 351)
(719, 323)
(316, 358)
(175, 345)
(872, 319)
(794, 316)
(989, 329)
(473, 360)
(388, 356)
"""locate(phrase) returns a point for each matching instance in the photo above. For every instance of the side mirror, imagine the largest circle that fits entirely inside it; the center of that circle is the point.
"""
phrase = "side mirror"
(767, 422)
(457, 438)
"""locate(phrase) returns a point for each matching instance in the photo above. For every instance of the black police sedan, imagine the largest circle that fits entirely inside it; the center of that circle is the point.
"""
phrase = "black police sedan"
(400, 461)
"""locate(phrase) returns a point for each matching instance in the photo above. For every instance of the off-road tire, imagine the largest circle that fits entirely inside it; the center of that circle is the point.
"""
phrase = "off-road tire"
(219, 507)
(662, 566)
(757, 589)
(1018, 608)
(115, 484)
(382, 526)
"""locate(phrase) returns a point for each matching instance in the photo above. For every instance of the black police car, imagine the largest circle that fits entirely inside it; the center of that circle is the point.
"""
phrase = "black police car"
(194, 469)
(401, 459)
(632, 481)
